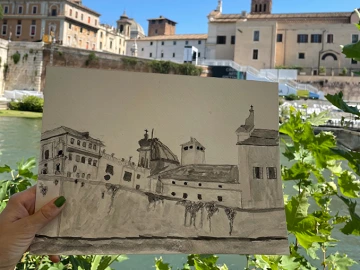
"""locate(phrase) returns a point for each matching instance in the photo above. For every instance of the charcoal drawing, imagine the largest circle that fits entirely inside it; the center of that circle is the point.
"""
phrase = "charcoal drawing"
(206, 187)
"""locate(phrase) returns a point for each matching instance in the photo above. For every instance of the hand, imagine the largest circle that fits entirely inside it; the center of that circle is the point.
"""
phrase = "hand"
(19, 223)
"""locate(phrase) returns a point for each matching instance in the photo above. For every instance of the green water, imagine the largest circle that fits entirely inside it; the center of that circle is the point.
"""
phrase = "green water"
(19, 138)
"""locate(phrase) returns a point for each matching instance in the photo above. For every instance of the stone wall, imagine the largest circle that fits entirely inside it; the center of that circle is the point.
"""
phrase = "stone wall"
(350, 86)
(3, 59)
(25, 74)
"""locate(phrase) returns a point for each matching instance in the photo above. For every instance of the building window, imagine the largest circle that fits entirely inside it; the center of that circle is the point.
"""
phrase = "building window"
(142, 49)
(4, 29)
(75, 168)
(83, 160)
(70, 25)
(6, 9)
(260, 6)
(256, 35)
(221, 40)
(258, 173)
(199, 197)
(173, 182)
(82, 17)
(81, 29)
(18, 30)
(88, 176)
(83, 175)
(255, 54)
(162, 43)
(199, 42)
(220, 186)
(187, 42)
(156, 31)
(70, 13)
(76, 14)
(78, 142)
(185, 183)
(199, 55)
(233, 39)
(127, 176)
(200, 184)
(138, 176)
(137, 186)
(34, 10)
(54, 12)
(95, 163)
(279, 38)
(95, 22)
(220, 198)
(151, 43)
(162, 55)
(70, 156)
(47, 154)
(90, 145)
(303, 38)
(271, 173)
(32, 30)
(109, 169)
(89, 19)
(264, 7)
(94, 147)
(316, 38)
(77, 158)
(355, 38)
(301, 55)
(174, 55)
(84, 144)
(90, 161)
(173, 193)
(186, 148)
(72, 140)
(20, 9)
(185, 195)
(353, 62)
(174, 42)
(330, 38)
(191, 147)
(69, 174)
(150, 54)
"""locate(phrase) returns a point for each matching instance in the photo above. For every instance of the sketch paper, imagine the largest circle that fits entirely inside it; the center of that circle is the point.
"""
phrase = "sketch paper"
(153, 163)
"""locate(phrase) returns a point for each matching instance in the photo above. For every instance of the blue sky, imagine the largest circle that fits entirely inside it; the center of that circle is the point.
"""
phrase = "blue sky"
(191, 14)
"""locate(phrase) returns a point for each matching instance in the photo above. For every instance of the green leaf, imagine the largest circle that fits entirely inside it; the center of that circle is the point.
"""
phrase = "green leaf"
(4, 186)
(27, 165)
(311, 251)
(348, 184)
(5, 169)
(160, 265)
(337, 101)
(352, 50)
(299, 171)
(96, 262)
(288, 262)
(352, 226)
(352, 157)
(339, 262)
(319, 119)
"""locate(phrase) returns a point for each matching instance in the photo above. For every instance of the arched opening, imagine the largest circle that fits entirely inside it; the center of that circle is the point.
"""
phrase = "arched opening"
(46, 154)
(60, 152)
(121, 28)
(256, 8)
(260, 7)
(265, 7)
(83, 160)
(329, 54)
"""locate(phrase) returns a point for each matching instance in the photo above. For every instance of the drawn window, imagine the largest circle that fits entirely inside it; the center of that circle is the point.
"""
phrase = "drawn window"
(72, 140)
(137, 186)
(77, 176)
(83, 160)
(68, 174)
(220, 186)
(78, 142)
(84, 144)
(271, 173)
(47, 154)
(138, 176)
(147, 163)
(102, 195)
(199, 197)
(90, 161)
(200, 184)
(173, 182)
(221, 40)
(127, 176)
(83, 175)
(185, 183)
(258, 173)
(94, 162)
(94, 147)
(185, 195)
(191, 147)
(220, 198)
(90, 145)
(58, 167)
(173, 193)
(77, 158)
(109, 169)
(75, 168)
(256, 35)
(186, 148)
(88, 176)
(107, 177)
(70, 156)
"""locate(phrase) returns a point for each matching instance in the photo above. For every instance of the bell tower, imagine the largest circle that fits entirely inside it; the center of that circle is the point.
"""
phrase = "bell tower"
(261, 6)
(145, 151)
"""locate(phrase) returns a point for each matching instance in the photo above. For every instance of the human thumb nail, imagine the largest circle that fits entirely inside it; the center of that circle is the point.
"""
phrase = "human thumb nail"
(47, 213)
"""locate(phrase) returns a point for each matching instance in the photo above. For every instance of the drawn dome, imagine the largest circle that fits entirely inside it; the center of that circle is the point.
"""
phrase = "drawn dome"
(160, 151)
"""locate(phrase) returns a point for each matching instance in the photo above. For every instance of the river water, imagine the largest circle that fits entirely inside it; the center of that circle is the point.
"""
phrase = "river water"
(20, 139)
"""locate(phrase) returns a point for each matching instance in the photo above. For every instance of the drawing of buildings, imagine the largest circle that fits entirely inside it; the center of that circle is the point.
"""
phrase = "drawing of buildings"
(253, 182)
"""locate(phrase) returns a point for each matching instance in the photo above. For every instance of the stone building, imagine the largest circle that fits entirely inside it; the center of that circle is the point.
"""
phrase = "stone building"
(69, 22)
(265, 40)
(109, 39)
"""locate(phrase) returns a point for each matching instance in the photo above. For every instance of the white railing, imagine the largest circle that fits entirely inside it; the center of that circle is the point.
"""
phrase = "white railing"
(265, 75)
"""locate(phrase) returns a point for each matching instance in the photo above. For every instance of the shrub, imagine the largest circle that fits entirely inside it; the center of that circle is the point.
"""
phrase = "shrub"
(168, 67)
(322, 70)
(30, 104)
(292, 97)
(344, 71)
(16, 57)
(25, 57)
(129, 62)
(91, 58)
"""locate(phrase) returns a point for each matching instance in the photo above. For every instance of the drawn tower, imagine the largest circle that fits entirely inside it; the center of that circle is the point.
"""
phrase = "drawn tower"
(192, 152)
(145, 151)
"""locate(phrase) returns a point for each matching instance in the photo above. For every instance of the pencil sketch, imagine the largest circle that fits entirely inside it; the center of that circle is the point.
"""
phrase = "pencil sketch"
(156, 202)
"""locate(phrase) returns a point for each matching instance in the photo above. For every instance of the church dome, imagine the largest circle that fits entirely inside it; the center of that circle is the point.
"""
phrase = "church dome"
(160, 151)
(136, 30)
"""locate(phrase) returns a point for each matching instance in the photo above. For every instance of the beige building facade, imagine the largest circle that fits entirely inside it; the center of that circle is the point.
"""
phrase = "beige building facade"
(68, 21)
(109, 39)
(309, 41)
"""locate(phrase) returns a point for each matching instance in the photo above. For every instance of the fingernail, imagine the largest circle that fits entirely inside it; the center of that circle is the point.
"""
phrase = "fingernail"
(60, 201)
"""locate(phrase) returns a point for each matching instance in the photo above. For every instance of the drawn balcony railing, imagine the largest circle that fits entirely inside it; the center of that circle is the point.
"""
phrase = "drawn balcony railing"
(261, 75)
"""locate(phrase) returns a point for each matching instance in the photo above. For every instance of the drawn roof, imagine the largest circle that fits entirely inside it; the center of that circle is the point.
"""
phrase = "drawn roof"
(203, 173)
(65, 130)
(175, 37)
(160, 151)
(282, 16)
(193, 141)
(262, 137)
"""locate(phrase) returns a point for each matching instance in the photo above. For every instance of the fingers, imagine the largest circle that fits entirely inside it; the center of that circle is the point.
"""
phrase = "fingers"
(54, 258)
(46, 214)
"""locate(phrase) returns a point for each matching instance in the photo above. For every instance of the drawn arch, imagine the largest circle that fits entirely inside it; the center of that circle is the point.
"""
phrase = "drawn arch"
(329, 54)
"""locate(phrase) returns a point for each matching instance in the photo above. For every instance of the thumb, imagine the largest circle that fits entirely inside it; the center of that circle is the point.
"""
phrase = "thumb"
(46, 214)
